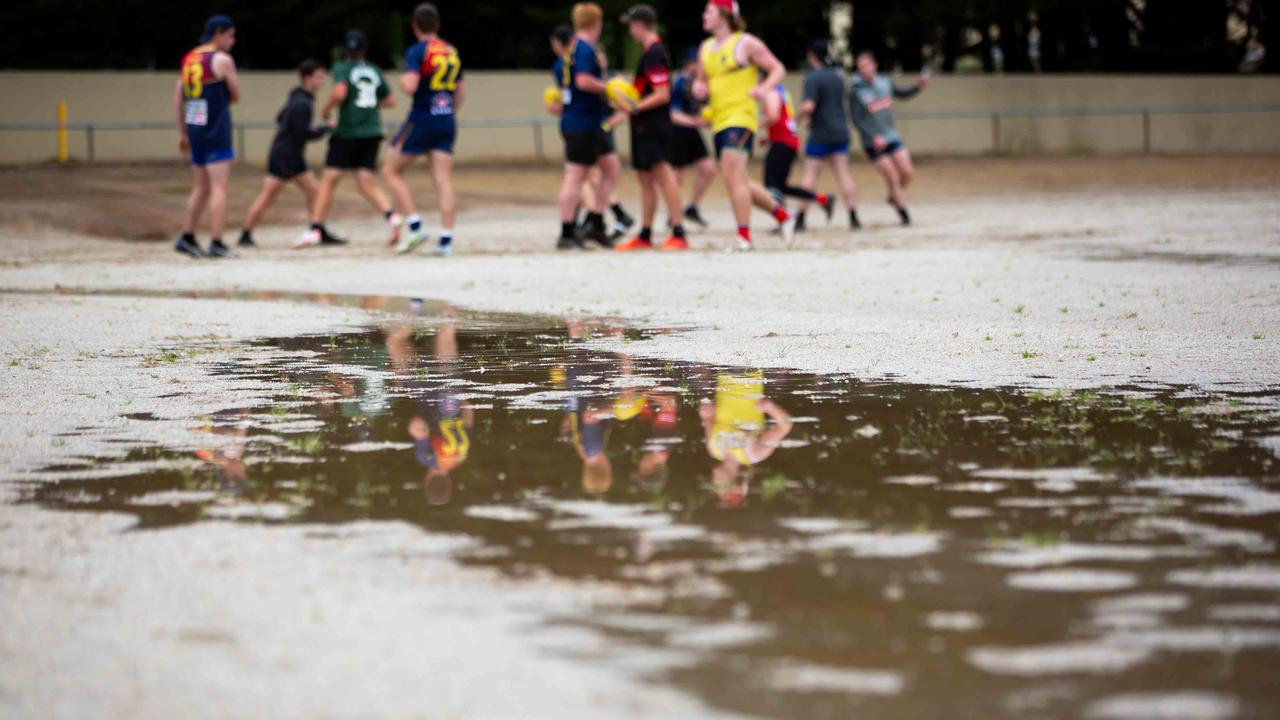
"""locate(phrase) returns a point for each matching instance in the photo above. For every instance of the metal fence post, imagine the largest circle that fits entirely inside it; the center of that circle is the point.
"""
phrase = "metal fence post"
(995, 133)
(1146, 131)
(62, 131)
(240, 138)
(88, 136)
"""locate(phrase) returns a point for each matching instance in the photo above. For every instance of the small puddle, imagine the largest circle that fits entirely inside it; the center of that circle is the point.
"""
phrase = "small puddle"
(805, 546)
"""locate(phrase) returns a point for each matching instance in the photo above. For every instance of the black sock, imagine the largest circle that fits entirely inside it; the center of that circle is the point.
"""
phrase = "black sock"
(387, 215)
(646, 234)
(594, 219)
(217, 241)
(678, 231)
(566, 230)
(318, 227)
(853, 219)
(189, 237)
(617, 210)
(800, 217)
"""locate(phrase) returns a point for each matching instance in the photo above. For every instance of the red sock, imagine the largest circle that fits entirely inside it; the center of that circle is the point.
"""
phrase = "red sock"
(780, 214)
(744, 232)
(823, 198)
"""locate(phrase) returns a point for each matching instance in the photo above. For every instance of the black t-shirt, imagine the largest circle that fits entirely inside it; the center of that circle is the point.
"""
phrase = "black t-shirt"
(653, 72)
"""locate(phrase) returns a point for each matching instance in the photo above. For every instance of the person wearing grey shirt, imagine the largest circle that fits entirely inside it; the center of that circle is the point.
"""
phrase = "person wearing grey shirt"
(870, 104)
(828, 141)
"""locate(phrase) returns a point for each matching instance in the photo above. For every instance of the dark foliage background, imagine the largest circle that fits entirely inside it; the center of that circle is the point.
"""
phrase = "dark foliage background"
(986, 35)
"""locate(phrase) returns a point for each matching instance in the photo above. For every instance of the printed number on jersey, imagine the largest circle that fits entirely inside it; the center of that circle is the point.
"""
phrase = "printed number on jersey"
(445, 74)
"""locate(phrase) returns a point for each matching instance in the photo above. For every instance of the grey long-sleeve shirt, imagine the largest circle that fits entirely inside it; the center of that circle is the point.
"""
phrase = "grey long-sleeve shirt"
(870, 106)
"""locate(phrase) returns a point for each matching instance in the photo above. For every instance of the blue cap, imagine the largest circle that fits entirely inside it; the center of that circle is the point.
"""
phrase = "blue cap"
(216, 24)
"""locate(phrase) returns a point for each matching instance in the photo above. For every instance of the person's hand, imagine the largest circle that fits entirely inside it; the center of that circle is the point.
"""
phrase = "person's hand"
(924, 81)
(700, 90)
(184, 145)
(758, 93)
(879, 143)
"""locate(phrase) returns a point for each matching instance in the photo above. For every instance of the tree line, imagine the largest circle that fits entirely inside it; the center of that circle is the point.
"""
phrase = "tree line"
(1012, 36)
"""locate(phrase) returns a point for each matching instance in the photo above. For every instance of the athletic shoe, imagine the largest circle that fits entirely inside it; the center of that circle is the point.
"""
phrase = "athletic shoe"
(570, 243)
(634, 244)
(829, 207)
(395, 222)
(188, 247)
(328, 239)
(595, 232)
(246, 240)
(742, 245)
(854, 222)
(904, 215)
(218, 250)
(800, 223)
(443, 250)
(410, 242)
(675, 243)
(623, 221)
(692, 215)
(309, 238)
(789, 232)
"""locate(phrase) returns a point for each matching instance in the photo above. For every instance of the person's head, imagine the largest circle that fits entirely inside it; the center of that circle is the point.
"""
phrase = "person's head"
(561, 37)
(588, 19)
(819, 54)
(690, 58)
(721, 15)
(426, 20)
(220, 32)
(867, 65)
(355, 44)
(312, 75)
(641, 22)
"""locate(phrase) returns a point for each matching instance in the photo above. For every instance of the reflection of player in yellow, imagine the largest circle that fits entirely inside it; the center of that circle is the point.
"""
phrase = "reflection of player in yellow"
(737, 433)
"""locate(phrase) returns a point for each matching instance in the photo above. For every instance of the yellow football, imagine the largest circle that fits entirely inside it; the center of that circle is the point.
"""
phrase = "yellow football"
(707, 114)
(551, 95)
(628, 407)
(622, 93)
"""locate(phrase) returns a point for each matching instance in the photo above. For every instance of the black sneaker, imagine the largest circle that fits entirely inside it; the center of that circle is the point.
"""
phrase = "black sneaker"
(623, 219)
(903, 215)
(189, 247)
(218, 250)
(800, 224)
(246, 240)
(327, 239)
(595, 233)
(854, 222)
(692, 215)
(570, 243)
(829, 207)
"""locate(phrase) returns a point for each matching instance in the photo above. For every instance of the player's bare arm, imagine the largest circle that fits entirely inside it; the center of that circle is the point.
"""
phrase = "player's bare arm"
(184, 143)
(409, 83)
(224, 68)
(752, 50)
(336, 97)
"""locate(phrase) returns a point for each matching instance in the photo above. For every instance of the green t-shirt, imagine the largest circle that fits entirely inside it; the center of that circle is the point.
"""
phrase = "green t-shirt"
(358, 117)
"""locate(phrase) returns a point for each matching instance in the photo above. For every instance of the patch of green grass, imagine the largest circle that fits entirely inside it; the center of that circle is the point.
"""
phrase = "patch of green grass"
(986, 338)
(1257, 336)
(15, 362)
(1064, 310)
(1019, 334)
(1092, 358)
(1019, 309)
(1029, 354)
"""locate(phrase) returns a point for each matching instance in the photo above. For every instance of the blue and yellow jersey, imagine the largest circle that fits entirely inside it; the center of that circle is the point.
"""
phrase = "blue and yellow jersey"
(440, 68)
(448, 442)
(738, 422)
(582, 110)
(206, 99)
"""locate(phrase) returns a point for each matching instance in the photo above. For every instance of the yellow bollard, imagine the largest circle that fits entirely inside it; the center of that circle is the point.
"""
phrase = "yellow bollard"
(62, 132)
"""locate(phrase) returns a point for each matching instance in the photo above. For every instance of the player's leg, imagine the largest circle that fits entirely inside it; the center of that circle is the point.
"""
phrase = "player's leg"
(888, 171)
(848, 189)
(810, 169)
(369, 189)
(219, 178)
(324, 196)
(271, 186)
(610, 170)
(393, 170)
(733, 168)
(572, 190)
(906, 169)
(196, 202)
(665, 179)
(648, 211)
(442, 178)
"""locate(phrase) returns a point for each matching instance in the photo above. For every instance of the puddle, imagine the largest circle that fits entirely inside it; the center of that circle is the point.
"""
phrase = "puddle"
(803, 546)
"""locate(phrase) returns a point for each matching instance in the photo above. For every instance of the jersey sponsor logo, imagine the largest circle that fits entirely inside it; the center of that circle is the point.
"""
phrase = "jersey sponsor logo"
(876, 106)
(442, 104)
(658, 78)
(196, 112)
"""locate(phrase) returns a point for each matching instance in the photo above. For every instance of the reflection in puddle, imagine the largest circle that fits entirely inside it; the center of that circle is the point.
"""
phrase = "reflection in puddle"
(800, 546)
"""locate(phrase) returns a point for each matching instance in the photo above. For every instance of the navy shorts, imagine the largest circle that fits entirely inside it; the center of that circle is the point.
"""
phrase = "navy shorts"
(208, 148)
(736, 139)
(825, 150)
(423, 133)
(889, 149)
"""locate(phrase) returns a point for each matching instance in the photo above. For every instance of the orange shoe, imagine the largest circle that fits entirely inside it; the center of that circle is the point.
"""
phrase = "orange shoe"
(675, 243)
(634, 244)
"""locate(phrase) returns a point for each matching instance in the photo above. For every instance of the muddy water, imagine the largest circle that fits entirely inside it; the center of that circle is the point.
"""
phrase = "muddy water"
(799, 546)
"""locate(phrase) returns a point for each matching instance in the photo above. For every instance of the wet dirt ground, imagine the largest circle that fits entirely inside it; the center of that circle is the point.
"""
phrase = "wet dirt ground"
(787, 545)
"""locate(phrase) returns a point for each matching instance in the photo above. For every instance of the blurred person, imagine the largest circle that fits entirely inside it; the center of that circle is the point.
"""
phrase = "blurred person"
(688, 149)
(588, 143)
(202, 100)
(651, 133)
(871, 99)
(736, 432)
(561, 39)
(359, 91)
(433, 77)
(784, 146)
(286, 162)
(731, 62)
(823, 108)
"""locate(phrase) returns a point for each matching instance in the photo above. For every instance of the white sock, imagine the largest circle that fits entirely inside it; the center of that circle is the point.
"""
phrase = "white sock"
(415, 222)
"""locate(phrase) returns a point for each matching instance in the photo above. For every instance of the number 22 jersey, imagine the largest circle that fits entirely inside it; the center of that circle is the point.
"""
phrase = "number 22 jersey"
(440, 69)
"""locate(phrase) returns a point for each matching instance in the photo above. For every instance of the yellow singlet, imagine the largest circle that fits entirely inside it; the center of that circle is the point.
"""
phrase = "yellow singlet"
(730, 86)
(738, 421)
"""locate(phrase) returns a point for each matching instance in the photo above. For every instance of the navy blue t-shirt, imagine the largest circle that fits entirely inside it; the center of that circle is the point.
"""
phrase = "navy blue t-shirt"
(582, 110)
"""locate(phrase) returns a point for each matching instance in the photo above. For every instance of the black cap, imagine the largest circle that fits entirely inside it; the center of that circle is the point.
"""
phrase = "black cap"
(355, 42)
(641, 13)
(821, 50)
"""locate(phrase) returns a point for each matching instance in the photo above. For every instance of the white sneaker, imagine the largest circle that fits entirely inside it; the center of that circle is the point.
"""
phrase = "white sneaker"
(444, 251)
(307, 239)
(395, 222)
(742, 245)
(789, 232)
(412, 240)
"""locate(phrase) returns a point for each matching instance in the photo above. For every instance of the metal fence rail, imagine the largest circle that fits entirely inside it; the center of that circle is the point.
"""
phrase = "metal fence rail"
(536, 124)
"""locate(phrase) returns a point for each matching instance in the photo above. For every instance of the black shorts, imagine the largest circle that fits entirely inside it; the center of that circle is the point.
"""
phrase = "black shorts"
(687, 147)
(285, 167)
(874, 154)
(649, 150)
(777, 166)
(586, 147)
(353, 153)
(736, 139)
